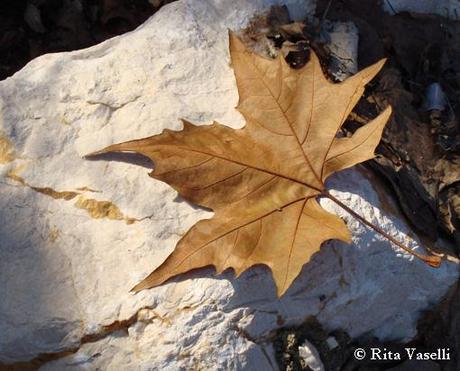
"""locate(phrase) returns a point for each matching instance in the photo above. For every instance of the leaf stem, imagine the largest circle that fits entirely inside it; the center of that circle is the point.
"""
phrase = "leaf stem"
(432, 260)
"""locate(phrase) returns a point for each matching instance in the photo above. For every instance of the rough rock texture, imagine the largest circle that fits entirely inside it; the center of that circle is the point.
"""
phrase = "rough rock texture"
(343, 48)
(76, 235)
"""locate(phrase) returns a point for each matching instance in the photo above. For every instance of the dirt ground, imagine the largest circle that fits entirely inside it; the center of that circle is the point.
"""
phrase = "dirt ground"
(30, 28)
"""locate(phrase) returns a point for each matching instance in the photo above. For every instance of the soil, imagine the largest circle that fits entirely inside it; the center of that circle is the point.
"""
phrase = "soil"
(30, 28)
(438, 328)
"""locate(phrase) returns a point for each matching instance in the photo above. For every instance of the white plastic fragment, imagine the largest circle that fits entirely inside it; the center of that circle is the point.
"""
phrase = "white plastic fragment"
(310, 357)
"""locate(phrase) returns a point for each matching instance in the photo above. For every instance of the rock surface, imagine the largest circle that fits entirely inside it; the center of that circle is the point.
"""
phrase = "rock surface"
(343, 48)
(76, 235)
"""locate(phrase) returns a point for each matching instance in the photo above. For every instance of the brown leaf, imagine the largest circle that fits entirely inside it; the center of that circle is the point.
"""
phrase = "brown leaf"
(262, 180)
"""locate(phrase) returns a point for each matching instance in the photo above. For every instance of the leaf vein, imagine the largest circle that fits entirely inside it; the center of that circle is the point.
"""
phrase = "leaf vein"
(185, 168)
(293, 242)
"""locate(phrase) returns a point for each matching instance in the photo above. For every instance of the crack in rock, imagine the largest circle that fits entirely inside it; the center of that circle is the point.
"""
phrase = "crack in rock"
(95, 208)
(113, 107)
(107, 330)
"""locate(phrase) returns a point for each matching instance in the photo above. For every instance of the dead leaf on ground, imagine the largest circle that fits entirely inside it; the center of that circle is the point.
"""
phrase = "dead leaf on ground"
(262, 180)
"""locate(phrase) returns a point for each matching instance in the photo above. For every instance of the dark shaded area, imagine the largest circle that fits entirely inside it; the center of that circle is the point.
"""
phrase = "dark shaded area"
(419, 155)
(337, 351)
(420, 151)
(30, 28)
(287, 342)
(440, 327)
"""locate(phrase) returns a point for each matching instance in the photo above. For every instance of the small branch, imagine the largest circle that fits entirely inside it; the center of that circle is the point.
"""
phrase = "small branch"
(391, 7)
(431, 260)
(323, 17)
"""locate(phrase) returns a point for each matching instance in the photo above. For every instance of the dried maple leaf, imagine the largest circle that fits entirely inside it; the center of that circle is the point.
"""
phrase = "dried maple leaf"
(262, 181)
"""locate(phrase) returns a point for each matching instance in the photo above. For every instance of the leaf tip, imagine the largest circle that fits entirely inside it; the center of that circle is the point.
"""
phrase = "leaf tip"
(381, 62)
(389, 110)
(187, 124)
(139, 287)
(347, 238)
(370, 72)
(96, 153)
(383, 117)
(89, 155)
(134, 290)
(280, 292)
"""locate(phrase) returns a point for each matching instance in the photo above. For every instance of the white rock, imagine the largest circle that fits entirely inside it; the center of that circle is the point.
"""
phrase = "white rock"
(343, 47)
(65, 275)
(445, 8)
(310, 356)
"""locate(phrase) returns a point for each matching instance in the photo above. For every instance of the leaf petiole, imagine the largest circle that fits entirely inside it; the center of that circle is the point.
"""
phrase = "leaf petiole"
(431, 260)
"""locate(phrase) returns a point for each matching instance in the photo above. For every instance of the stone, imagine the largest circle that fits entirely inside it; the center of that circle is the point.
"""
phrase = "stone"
(343, 48)
(77, 235)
